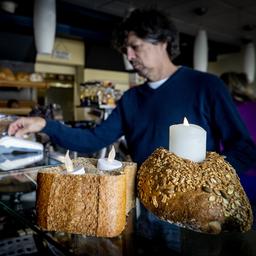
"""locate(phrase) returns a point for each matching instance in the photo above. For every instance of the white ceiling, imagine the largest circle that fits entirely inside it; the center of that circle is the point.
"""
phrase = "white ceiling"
(223, 21)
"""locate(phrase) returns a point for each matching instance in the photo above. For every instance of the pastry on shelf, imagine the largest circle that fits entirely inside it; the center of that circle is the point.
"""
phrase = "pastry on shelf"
(36, 77)
(22, 76)
(6, 74)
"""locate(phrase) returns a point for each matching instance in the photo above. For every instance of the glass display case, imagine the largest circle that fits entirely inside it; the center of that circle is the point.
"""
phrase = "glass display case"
(19, 234)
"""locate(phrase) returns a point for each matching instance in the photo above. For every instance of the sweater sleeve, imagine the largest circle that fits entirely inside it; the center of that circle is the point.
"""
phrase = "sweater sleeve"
(86, 140)
(237, 144)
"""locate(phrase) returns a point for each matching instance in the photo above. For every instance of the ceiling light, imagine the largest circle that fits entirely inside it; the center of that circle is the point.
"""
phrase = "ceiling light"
(44, 25)
(8, 6)
(200, 54)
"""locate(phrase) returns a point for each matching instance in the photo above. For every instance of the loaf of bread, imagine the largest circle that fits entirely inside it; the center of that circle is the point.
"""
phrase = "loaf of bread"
(205, 197)
(35, 77)
(6, 74)
(94, 203)
(22, 76)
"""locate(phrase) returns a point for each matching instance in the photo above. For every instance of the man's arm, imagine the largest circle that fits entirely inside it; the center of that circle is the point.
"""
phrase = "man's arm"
(86, 140)
(26, 125)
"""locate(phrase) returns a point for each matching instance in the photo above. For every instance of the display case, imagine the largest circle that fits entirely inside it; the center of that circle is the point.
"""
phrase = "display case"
(22, 107)
(20, 234)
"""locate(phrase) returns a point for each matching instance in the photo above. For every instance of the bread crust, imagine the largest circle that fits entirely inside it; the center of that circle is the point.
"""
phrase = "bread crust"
(130, 170)
(205, 197)
(111, 205)
(42, 197)
(93, 204)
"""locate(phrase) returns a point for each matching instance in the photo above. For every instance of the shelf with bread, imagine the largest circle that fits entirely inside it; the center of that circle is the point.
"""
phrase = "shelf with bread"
(21, 79)
(15, 111)
(16, 107)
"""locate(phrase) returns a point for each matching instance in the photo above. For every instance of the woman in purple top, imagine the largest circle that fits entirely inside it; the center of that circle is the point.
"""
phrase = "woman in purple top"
(245, 100)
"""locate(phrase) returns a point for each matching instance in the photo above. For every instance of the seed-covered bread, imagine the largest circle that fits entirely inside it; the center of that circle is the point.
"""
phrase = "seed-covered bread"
(205, 197)
(94, 203)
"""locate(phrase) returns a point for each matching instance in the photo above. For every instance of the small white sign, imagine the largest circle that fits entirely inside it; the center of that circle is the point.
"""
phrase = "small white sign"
(61, 54)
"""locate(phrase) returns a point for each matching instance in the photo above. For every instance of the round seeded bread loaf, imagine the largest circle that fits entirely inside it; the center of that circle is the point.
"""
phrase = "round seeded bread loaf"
(205, 197)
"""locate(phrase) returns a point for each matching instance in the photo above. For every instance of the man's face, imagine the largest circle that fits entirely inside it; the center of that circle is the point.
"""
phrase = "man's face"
(144, 56)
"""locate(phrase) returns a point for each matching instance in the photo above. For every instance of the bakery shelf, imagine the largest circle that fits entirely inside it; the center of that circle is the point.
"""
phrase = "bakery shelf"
(60, 85)
(15, 111)
(23, 84)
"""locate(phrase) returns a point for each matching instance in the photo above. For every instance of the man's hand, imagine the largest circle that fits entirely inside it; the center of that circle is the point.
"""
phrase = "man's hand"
(26, 125)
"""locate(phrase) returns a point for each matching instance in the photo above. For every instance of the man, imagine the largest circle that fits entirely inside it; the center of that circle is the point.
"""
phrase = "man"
(145, 112)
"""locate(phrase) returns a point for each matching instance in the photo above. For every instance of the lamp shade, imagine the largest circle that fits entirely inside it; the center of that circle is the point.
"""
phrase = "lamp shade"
(200, 54)
(44, 25)
(8, 6)
(249, 61)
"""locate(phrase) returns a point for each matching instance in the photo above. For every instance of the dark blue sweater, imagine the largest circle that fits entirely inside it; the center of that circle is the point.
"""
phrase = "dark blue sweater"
(144, 115)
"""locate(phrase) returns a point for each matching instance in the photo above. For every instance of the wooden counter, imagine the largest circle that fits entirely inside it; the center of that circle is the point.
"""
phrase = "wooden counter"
(23, 84)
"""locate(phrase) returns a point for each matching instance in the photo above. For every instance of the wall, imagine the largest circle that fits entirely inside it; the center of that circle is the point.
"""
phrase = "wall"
(65, 52)
(226, 63)
(68, 56)
(121, 80)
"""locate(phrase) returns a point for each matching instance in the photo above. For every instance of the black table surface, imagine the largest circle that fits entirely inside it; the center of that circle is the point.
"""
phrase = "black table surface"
(19, 234)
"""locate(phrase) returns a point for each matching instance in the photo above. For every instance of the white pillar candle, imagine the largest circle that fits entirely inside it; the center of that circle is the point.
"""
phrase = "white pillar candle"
(188, 141)
(108, 164)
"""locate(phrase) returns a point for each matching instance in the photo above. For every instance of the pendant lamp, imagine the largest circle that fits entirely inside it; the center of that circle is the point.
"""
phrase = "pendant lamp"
(8, 6)
(127, 65)
(200, 54)
(249, 61)
(44, 25)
